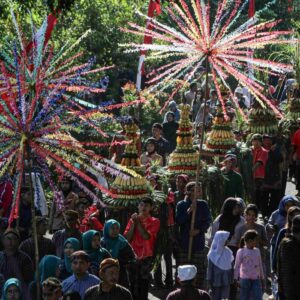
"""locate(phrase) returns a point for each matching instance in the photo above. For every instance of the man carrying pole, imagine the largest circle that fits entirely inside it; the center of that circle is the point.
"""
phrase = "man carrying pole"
(191, 205)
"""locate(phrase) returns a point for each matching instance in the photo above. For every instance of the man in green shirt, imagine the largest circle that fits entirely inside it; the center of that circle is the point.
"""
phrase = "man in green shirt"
(233, 181)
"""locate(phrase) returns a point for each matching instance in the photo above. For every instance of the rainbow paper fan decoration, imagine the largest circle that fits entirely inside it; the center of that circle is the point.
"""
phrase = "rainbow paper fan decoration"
(39, 93)
(184, 158)
(197, 35)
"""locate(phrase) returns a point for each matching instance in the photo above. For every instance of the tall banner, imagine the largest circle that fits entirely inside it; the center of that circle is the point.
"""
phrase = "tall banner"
(251, 11)
(153, 9)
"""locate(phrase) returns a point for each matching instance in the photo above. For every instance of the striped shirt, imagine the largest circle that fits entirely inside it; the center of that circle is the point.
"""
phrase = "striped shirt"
(61, 236)
(46, 247)
(116, 293)
(79, 285)
(18, 266)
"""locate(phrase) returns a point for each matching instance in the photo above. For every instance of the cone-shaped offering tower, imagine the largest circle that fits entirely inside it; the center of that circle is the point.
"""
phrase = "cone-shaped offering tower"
(221, 138)
(262, 120)
(184, 158)
(293, 107)
(129, 190)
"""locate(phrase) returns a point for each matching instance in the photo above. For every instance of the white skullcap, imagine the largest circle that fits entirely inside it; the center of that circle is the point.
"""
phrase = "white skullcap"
(239, 90)
(187, 272)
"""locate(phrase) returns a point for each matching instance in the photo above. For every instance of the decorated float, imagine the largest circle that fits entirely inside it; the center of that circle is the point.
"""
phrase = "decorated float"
(184, 158)
(221, 138)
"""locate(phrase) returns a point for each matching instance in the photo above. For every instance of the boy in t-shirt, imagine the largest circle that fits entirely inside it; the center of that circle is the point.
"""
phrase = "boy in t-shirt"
(141, 232)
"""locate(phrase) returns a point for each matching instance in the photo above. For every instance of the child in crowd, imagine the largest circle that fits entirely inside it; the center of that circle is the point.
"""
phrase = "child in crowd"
(219, 272)
(248, 268)
(92, 246)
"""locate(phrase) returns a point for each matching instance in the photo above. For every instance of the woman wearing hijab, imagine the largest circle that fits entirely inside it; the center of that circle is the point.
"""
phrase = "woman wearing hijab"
(219, 272)
(12, 290)
(96, 253)
(173, 108)
(70, 246)
(119, 248)
(48, 267)
(278, 219)
(229, 220)
(170, 127)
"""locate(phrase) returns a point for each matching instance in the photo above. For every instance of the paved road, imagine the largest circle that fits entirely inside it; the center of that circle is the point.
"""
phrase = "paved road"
(161, 294)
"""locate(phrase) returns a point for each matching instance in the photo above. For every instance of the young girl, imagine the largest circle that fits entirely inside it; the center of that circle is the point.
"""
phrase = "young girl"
(219, 272)
(92, 246)
(119, 248)
(248, 268)
(70, 246)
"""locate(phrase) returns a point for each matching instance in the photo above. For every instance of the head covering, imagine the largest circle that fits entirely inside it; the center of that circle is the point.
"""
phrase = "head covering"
(184, 177)
(13, 231)
(113, 245)
(48, 267)
(170, 113)
(8, 283)
(220, 255)
(239, 90)
(72, 214)
(230, 157)
(76, 246)
(187, 272)
(172, 104)
(256, 137)
(284, 201)
(108, 263)
(94, 254)
(227, 220)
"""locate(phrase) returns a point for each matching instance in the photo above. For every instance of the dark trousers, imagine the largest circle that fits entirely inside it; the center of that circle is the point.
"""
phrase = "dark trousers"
(284, 177)
(258, 182)
(167, 254)
(140, 275)
(199, 259)
(269, 201)
(297, 175)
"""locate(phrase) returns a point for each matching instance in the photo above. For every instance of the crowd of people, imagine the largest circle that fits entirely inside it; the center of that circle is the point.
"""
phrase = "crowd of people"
(88, 252)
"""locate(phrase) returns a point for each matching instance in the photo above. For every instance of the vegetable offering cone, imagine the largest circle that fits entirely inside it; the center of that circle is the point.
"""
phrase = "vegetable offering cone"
(262, 120)
(184, 158)
(221, 138)
(129, 190)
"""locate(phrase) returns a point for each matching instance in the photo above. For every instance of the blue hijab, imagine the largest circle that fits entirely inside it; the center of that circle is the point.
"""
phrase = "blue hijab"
(113, 245)
(48, 267)
(8, 283)
(76, 246)
(284, 201)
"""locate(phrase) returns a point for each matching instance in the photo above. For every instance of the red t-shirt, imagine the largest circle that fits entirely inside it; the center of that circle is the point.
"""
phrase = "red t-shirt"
(260, 155)
(144, 248)
(296, 142)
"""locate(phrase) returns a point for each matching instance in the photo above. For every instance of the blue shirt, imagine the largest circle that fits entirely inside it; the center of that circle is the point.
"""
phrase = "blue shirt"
(80, 286)
(202, 222)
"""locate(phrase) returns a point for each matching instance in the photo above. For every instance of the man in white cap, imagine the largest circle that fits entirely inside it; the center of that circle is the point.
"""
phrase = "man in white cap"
(239, 94)
(187, 289)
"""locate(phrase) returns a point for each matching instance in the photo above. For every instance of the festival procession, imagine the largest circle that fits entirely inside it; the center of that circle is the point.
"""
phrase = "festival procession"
(150, 150)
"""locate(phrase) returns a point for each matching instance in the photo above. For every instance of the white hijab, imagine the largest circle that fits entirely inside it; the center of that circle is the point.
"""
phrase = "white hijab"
(219, 254)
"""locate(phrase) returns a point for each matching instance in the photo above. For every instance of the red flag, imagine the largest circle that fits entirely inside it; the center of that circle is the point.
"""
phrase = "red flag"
(153, 9)
(290, 6)
(251, 12)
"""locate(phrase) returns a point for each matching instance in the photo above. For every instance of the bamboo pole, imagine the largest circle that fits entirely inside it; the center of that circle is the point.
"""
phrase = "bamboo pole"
(34, 230)
(190, 249)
